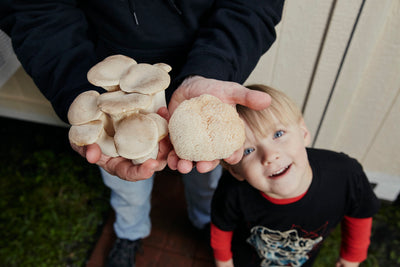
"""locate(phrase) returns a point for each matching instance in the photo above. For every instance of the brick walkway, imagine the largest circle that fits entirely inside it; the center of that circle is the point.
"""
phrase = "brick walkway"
(173, 240)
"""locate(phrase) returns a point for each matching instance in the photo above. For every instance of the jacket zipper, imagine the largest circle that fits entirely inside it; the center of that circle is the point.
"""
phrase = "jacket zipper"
(132, 6)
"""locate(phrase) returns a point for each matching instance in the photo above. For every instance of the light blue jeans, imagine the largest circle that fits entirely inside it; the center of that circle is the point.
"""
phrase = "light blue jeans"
(131, 201)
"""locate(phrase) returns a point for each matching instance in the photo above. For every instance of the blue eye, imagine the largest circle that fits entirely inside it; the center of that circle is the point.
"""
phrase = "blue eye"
(278, 134)
(247, 151)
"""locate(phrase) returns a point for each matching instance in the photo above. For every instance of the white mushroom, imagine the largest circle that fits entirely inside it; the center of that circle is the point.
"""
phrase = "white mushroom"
(162, 125)
(136, 136)
(119, 104)
(164, 66)
(162, 131)
(90, 133)
(84, 108)
(149, 80)
(108, 72)
(122, 122)
(152, 155)
(144, 79)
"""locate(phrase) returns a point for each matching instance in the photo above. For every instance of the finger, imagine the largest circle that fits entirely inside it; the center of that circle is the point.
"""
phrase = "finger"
(176, 98)
(93, 153)
(206, 166)
(147, 169)
(126, 170)
(172, 160)
(184, 166)
(165, 147)
(250, 98)
(80, 149)
(235, 158)
(163, 112)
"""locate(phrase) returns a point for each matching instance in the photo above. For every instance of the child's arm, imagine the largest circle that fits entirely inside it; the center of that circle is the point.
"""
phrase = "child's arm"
(356, 235)
(228, 263)
(343, 263)
(221, 244)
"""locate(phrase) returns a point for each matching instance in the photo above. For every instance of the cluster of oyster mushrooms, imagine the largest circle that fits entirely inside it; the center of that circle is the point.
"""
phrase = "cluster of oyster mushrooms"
(123, 121)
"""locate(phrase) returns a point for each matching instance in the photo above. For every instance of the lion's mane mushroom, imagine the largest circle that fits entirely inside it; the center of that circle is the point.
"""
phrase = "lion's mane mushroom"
(204, 129)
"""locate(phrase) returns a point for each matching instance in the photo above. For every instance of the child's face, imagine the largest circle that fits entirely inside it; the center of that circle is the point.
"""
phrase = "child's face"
(277, 163)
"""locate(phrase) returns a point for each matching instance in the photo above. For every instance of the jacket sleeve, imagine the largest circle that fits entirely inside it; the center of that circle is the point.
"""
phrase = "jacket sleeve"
(50, 40)
(233, 38)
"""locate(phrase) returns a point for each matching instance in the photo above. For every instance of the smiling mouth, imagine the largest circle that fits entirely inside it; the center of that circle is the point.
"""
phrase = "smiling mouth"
(281, 172)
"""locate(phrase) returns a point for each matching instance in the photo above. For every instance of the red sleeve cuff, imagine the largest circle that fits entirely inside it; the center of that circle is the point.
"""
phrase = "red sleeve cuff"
(221, 243)
(356, 235)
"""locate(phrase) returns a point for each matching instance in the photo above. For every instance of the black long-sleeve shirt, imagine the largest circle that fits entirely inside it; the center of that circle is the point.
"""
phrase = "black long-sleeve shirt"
(57, 42)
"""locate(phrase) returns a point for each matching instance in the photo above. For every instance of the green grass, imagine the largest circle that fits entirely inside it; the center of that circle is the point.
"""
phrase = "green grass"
(384, 250)
(53, 204)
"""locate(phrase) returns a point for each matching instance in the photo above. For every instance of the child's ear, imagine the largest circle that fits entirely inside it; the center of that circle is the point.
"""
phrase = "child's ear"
(305, 131)
(234, 173)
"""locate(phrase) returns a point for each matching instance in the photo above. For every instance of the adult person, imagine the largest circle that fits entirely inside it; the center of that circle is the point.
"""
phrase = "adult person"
(212, 46)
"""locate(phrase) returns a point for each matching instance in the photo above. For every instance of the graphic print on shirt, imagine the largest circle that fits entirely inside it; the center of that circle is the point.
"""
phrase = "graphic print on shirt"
(278, 248)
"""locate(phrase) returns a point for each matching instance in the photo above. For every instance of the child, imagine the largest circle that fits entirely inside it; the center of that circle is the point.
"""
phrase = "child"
(287, 198)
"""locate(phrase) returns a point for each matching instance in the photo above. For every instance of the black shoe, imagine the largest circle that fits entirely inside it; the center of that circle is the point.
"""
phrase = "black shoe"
(123, 253)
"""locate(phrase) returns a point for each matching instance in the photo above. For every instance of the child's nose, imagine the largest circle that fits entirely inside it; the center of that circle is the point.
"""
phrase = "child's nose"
(270, 155)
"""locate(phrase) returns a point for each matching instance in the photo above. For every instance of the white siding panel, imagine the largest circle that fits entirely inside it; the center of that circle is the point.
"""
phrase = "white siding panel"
(289, 64)
(384, 153)
(367, 84)
(343, 19)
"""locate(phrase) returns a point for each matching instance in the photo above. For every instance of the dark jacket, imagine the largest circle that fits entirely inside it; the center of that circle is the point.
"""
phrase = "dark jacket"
(57, 42)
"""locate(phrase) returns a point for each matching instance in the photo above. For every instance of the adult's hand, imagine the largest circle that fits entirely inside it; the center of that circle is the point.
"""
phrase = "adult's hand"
(228, 92)
(124, 168)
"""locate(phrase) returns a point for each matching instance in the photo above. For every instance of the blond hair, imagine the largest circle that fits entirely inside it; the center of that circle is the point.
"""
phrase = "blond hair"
(282, 108)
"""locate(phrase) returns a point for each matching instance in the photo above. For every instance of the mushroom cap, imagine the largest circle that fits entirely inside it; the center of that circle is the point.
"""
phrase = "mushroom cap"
(158, 101)
(108, 72)
(119, 102)
(164, 66)
(86, 134)
(204, 129)
(136, 136)
(144, 79)
(162, 125)
(84, 108)
(152, 155)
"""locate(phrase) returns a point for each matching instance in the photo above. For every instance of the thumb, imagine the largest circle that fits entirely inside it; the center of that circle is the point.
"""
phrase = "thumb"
(93, 153)
(253, 99)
